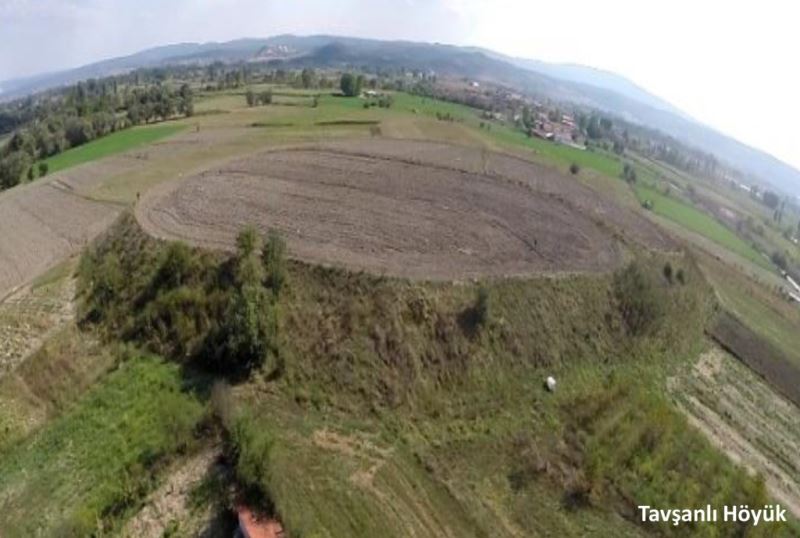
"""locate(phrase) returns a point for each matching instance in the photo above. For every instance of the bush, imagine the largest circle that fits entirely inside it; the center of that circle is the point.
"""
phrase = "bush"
(251, 448)
(274, 260)
(482, 306)
(574, 169)
(779, 259)
(638, 299)
(668, 272)
(351, 84)
(250, 327)
(629, 173)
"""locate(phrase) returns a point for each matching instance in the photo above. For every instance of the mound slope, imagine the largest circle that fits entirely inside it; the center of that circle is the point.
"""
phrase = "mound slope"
(409, 209)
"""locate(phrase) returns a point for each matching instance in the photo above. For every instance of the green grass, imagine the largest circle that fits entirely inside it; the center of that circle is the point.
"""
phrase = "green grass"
(111, 145)
(699, 222)
(94, 462)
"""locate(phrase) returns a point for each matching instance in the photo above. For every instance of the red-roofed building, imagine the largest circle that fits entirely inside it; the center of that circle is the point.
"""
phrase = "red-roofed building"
(252, 525)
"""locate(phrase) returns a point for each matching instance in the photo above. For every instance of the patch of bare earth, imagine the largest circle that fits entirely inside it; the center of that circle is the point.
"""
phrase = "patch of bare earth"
(743, 416)
(406, 208)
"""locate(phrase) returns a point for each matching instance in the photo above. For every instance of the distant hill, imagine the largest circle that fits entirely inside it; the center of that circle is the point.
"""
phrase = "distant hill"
(581, 85)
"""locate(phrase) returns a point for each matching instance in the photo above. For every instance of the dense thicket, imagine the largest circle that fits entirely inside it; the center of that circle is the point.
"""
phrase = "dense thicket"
(187, 304)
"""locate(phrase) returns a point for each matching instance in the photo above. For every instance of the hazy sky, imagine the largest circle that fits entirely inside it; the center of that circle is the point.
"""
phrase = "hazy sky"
(731, 64)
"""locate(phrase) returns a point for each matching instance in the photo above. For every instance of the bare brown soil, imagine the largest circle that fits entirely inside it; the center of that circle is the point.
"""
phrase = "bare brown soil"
(411, 209)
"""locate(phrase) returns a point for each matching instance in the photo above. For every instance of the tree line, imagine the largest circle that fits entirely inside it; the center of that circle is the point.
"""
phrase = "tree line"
(50, 123)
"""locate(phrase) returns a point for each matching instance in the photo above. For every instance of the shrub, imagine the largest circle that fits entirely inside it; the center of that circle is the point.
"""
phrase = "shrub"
(637, 298)
(176, 268)
(482, 306)
(107, 279)
(251, 448)
(668, 272)
(274, 260)
(629, 173)
(680, 276)
(43, 169)
(574, 169)
(249, 331)
(779, 259)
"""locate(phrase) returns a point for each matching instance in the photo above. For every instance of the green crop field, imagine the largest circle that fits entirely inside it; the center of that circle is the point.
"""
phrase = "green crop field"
(111, 145)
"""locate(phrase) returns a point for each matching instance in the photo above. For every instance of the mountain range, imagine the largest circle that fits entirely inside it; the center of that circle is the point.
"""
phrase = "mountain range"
(577, 84)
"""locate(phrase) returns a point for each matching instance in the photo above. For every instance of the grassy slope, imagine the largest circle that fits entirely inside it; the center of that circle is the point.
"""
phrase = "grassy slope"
(89, 462)
(111, 145)
(48, 382)
(396, 415)
(402, 410)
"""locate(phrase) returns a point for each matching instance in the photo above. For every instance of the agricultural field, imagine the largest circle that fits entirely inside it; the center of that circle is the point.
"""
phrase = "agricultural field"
(454, 213)
(699, 222)
(743, 416)
(757, 305)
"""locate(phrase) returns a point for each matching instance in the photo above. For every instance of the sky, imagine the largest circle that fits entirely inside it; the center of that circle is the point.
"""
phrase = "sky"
(730, 64)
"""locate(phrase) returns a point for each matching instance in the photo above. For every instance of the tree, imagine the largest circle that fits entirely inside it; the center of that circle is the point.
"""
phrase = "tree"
(43, 168)
(779, 259)
(31, 174)
(527, 117)
(250, 322)
(350, 84)
(771, 199)
(629, 173)
(251, 98)
(266, 97)
(308, 77)
(274, 260)
(11, 169)
(78, 131)
(638, 299)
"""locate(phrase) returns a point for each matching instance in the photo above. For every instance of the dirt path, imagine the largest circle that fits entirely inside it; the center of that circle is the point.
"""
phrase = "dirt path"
(407, 208)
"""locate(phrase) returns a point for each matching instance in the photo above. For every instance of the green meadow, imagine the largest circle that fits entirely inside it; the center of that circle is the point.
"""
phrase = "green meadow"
(111, 145)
